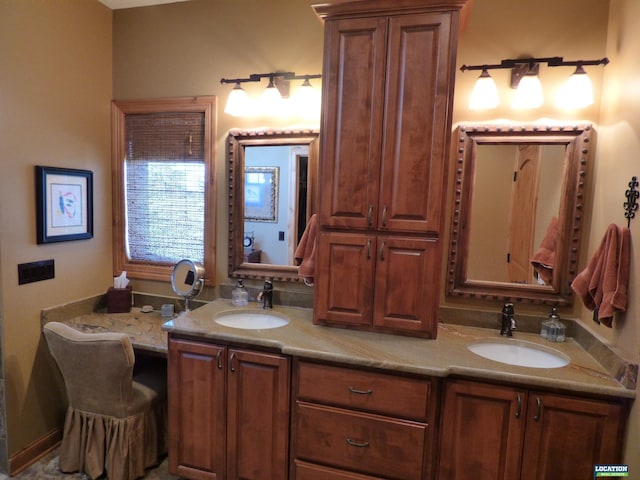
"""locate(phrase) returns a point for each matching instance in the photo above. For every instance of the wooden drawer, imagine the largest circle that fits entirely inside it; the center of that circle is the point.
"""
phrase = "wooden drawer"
(368, 391)
(309, 471)
(361, 442)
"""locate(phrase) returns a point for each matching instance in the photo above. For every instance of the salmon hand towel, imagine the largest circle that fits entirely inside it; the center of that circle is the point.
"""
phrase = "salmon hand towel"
(305, 254)
(602, 285)
(542, 260)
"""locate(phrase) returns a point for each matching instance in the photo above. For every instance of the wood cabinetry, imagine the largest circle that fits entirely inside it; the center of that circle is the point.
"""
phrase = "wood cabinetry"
(387, 95)
(228, 412)
(506, 433)
(354, 424)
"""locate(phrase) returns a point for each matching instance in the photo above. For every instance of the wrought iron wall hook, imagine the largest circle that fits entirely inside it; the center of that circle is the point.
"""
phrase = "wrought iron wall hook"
(631, 205)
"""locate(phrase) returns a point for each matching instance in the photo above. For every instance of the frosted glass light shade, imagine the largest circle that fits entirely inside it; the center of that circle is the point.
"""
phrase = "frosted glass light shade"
(528, 93)
(271, 101)
(485, 93)
(237, 102)
(306, 101)
(577, 91)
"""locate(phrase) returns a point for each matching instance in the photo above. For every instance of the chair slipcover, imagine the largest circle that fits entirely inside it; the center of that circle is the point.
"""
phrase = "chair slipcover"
(114, 421)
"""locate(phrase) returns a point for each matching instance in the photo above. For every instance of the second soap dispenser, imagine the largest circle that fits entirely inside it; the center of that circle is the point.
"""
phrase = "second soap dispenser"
(553, 329)
(240, 296)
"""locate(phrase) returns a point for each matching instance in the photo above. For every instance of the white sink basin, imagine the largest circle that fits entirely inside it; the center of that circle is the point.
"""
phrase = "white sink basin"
(251, 320)
(520, 353)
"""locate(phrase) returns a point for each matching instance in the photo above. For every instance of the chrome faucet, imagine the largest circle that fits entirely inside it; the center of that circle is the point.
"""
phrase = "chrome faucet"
(265, 297)
(508, 323)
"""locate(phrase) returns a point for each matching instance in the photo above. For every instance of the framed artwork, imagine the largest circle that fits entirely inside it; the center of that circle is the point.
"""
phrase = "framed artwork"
(64, 204)
(261, 194)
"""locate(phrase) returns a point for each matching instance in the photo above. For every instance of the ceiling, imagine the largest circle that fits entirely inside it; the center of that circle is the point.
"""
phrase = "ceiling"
(117, 4)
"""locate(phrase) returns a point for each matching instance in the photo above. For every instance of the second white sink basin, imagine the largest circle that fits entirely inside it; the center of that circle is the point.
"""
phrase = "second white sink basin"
(251, 320)
(520, 353)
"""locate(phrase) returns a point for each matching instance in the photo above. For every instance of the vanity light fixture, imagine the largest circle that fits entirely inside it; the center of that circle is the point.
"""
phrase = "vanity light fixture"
(577, 93)
(485, 93)
(238, 103)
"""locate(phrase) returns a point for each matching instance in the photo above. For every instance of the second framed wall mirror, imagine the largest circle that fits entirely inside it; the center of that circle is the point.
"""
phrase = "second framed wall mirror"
(518, 211)
(272, 189)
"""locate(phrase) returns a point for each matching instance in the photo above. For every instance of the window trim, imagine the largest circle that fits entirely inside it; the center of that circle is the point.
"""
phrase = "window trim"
(119, 111)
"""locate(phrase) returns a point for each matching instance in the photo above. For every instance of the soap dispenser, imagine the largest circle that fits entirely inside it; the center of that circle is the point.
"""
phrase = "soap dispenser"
(240, 296)
(548, 324)
(553, 329)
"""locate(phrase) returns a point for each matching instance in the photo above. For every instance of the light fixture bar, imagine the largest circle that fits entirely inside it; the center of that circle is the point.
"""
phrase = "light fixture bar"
(256, 77)
(550, 61)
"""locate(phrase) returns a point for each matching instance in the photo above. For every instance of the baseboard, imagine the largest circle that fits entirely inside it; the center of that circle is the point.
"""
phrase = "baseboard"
(30, 454)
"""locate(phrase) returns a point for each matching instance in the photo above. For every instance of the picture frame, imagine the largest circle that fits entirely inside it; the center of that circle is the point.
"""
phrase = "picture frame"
(261, 194)
(64, 204)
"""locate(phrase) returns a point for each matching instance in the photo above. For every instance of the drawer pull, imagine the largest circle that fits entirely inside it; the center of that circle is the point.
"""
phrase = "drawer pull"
(353, 443)
(538, 409)
(219, 360)
(232, 366)
(519, 409)
(370, 215)
(360, 392)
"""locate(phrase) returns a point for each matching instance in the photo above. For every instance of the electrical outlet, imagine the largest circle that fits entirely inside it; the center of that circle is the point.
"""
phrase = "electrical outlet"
(281, 236)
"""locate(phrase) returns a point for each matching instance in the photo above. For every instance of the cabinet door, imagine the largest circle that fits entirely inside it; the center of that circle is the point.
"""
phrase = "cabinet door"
(421, 52)
(407, 284)
(196, 374)
(482, 432)
(567, 436)
(345, 266)
(258, 416)
(350, 150)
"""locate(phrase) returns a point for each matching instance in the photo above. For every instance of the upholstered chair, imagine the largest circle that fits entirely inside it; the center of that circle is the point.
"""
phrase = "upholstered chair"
(115, 421)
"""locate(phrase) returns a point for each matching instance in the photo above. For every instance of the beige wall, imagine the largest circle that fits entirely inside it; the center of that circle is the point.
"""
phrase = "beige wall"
(55, 89)
(185, 49)
(618, 149)
(57, 66)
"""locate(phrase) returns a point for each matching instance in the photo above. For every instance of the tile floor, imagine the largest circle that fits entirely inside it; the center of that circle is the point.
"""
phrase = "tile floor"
(47, 469)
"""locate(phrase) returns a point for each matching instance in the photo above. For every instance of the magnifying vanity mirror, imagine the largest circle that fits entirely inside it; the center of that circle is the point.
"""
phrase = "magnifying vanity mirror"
(187, 280)
(517, 211)
(272, 189)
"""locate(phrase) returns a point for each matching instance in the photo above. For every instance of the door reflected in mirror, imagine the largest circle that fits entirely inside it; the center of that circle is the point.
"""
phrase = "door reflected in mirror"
(272, 186)
(516, 197)
(517, 211)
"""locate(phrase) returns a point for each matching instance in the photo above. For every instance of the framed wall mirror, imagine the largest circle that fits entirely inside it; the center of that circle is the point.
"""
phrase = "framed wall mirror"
(272, 190)
(518, 211)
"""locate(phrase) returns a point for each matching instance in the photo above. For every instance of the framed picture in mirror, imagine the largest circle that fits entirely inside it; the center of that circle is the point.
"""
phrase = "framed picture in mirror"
(261, 194)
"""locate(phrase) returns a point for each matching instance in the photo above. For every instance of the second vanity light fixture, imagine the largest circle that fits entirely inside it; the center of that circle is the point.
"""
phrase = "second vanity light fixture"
(306, 101)
(576, 93)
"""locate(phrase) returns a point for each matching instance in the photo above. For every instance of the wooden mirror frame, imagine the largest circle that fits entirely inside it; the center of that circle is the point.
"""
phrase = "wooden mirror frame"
(237, 141)
(579, 141)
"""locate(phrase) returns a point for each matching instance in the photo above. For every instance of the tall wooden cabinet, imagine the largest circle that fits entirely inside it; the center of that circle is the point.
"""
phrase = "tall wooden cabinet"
(492, 432)
(387, 93)
(228, 412)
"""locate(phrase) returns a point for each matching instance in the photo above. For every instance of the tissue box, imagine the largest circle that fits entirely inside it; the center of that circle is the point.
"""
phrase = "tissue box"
(119, 300)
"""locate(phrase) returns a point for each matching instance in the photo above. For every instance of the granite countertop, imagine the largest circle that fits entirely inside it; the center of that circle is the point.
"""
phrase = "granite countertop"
(445, 356)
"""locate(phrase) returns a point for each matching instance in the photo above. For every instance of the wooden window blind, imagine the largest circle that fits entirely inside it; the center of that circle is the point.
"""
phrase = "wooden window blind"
(165, 186)
(163, 178)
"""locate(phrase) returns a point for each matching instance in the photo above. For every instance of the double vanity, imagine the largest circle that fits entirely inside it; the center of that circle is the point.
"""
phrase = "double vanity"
(267, 394)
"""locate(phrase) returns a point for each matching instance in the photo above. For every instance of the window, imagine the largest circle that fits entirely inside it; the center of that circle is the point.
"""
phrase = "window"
(163, 173)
